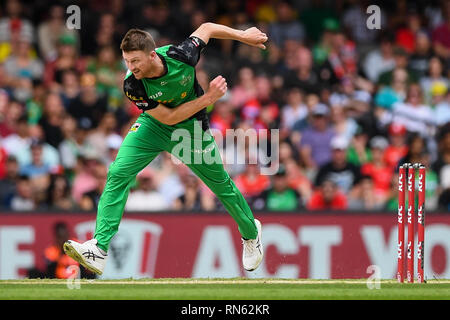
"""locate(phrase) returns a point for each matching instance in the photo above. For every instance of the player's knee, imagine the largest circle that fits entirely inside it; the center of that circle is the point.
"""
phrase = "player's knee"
(116, 172)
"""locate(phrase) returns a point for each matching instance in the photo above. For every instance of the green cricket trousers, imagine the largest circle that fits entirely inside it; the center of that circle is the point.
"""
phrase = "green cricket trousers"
(144, 141)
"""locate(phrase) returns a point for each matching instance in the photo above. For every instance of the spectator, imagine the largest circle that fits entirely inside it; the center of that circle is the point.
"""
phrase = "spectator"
(441, 42)
(406, 35)
(294, 110)
(342, 59)
(37, 166)
(50, 155)
(443, 158)
(342, 124)
(303, 75)
(22, 68)
(35, 105)
(168, 175)
(380, 59)
(244, 88)
(322, 49)
(194, 198)
(391, 203)
(11, 116)
(50, 30)
(58, 193)
(440, 102)
(262, 111)
(397, 148)
(52, 119)
(345, 175)
(251, 182)
(315, 143)
(67, 59)
(358, 151)
(327, 197)
(286, 26)
(279, 197)
(70, 88)
(84, 179)
(73, 145)
(113, 142)
(297, 179)
(444, 198)
(435, 76)
(401, 62)
(366, 198)
(417, 146)
(14, 23)
(96, 138)
(56, 262)
(396, 92)
(414, 114)
(23, 200)
(377, 170)
(89, 200)
(419, 59)
(222, 118)
(8, 184)
(90, 106)
(21, 139)
(352, 94)
(105, 66)
(145, 197)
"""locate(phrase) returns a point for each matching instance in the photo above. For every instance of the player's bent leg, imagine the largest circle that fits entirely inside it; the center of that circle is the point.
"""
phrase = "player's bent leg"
(213, 174)
(221, 184)
(135, 153)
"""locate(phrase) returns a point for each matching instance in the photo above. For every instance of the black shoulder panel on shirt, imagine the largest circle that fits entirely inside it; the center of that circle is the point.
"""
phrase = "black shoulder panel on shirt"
(187, 51)
(135, 91)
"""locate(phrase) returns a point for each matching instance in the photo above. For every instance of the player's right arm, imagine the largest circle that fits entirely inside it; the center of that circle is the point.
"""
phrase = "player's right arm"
(251, 36)
(172, 116)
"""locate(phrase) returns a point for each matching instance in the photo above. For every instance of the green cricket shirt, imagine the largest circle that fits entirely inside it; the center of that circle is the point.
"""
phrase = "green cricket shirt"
(176, 86)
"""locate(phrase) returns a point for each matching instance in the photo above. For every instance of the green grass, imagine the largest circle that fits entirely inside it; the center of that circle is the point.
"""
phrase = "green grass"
(221, 289)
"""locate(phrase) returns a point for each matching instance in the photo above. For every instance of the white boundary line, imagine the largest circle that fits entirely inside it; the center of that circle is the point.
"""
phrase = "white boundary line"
(204, 281)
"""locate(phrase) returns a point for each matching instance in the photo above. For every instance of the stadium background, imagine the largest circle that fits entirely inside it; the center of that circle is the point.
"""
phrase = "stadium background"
(351, 104)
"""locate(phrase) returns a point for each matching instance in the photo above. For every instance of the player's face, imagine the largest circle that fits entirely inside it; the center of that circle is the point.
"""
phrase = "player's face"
(138, 62)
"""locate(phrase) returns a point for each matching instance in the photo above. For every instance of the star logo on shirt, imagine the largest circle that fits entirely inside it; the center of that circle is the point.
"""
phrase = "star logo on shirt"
(127, 86)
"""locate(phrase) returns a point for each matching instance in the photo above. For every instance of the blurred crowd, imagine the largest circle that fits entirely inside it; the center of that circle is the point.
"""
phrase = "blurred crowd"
(351, 103)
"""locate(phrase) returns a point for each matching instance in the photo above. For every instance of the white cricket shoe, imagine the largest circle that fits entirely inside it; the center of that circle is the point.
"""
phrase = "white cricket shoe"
(87, 254)
(252, 252)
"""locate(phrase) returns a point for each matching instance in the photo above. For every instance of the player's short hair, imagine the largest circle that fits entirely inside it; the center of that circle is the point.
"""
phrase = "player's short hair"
(137, 40)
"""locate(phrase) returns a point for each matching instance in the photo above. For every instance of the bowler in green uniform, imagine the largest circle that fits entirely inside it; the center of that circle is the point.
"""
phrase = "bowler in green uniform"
(162, 83)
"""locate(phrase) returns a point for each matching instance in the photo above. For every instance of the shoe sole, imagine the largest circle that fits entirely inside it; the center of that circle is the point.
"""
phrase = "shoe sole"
(259, 227)
(71, 252)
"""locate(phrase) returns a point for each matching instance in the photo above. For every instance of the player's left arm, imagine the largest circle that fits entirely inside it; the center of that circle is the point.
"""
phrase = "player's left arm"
(251, 36)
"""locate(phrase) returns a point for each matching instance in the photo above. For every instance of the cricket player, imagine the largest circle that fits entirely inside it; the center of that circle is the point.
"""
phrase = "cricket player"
(162, 82)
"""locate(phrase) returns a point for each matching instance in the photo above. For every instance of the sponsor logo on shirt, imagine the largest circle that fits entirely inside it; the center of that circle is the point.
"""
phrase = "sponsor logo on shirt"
(195, 42)
(135, 127)
(185, 80)
(156, 95)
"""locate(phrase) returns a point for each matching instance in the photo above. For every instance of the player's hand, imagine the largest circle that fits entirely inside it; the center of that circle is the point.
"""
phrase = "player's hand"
(254, 37)
(217, 88)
